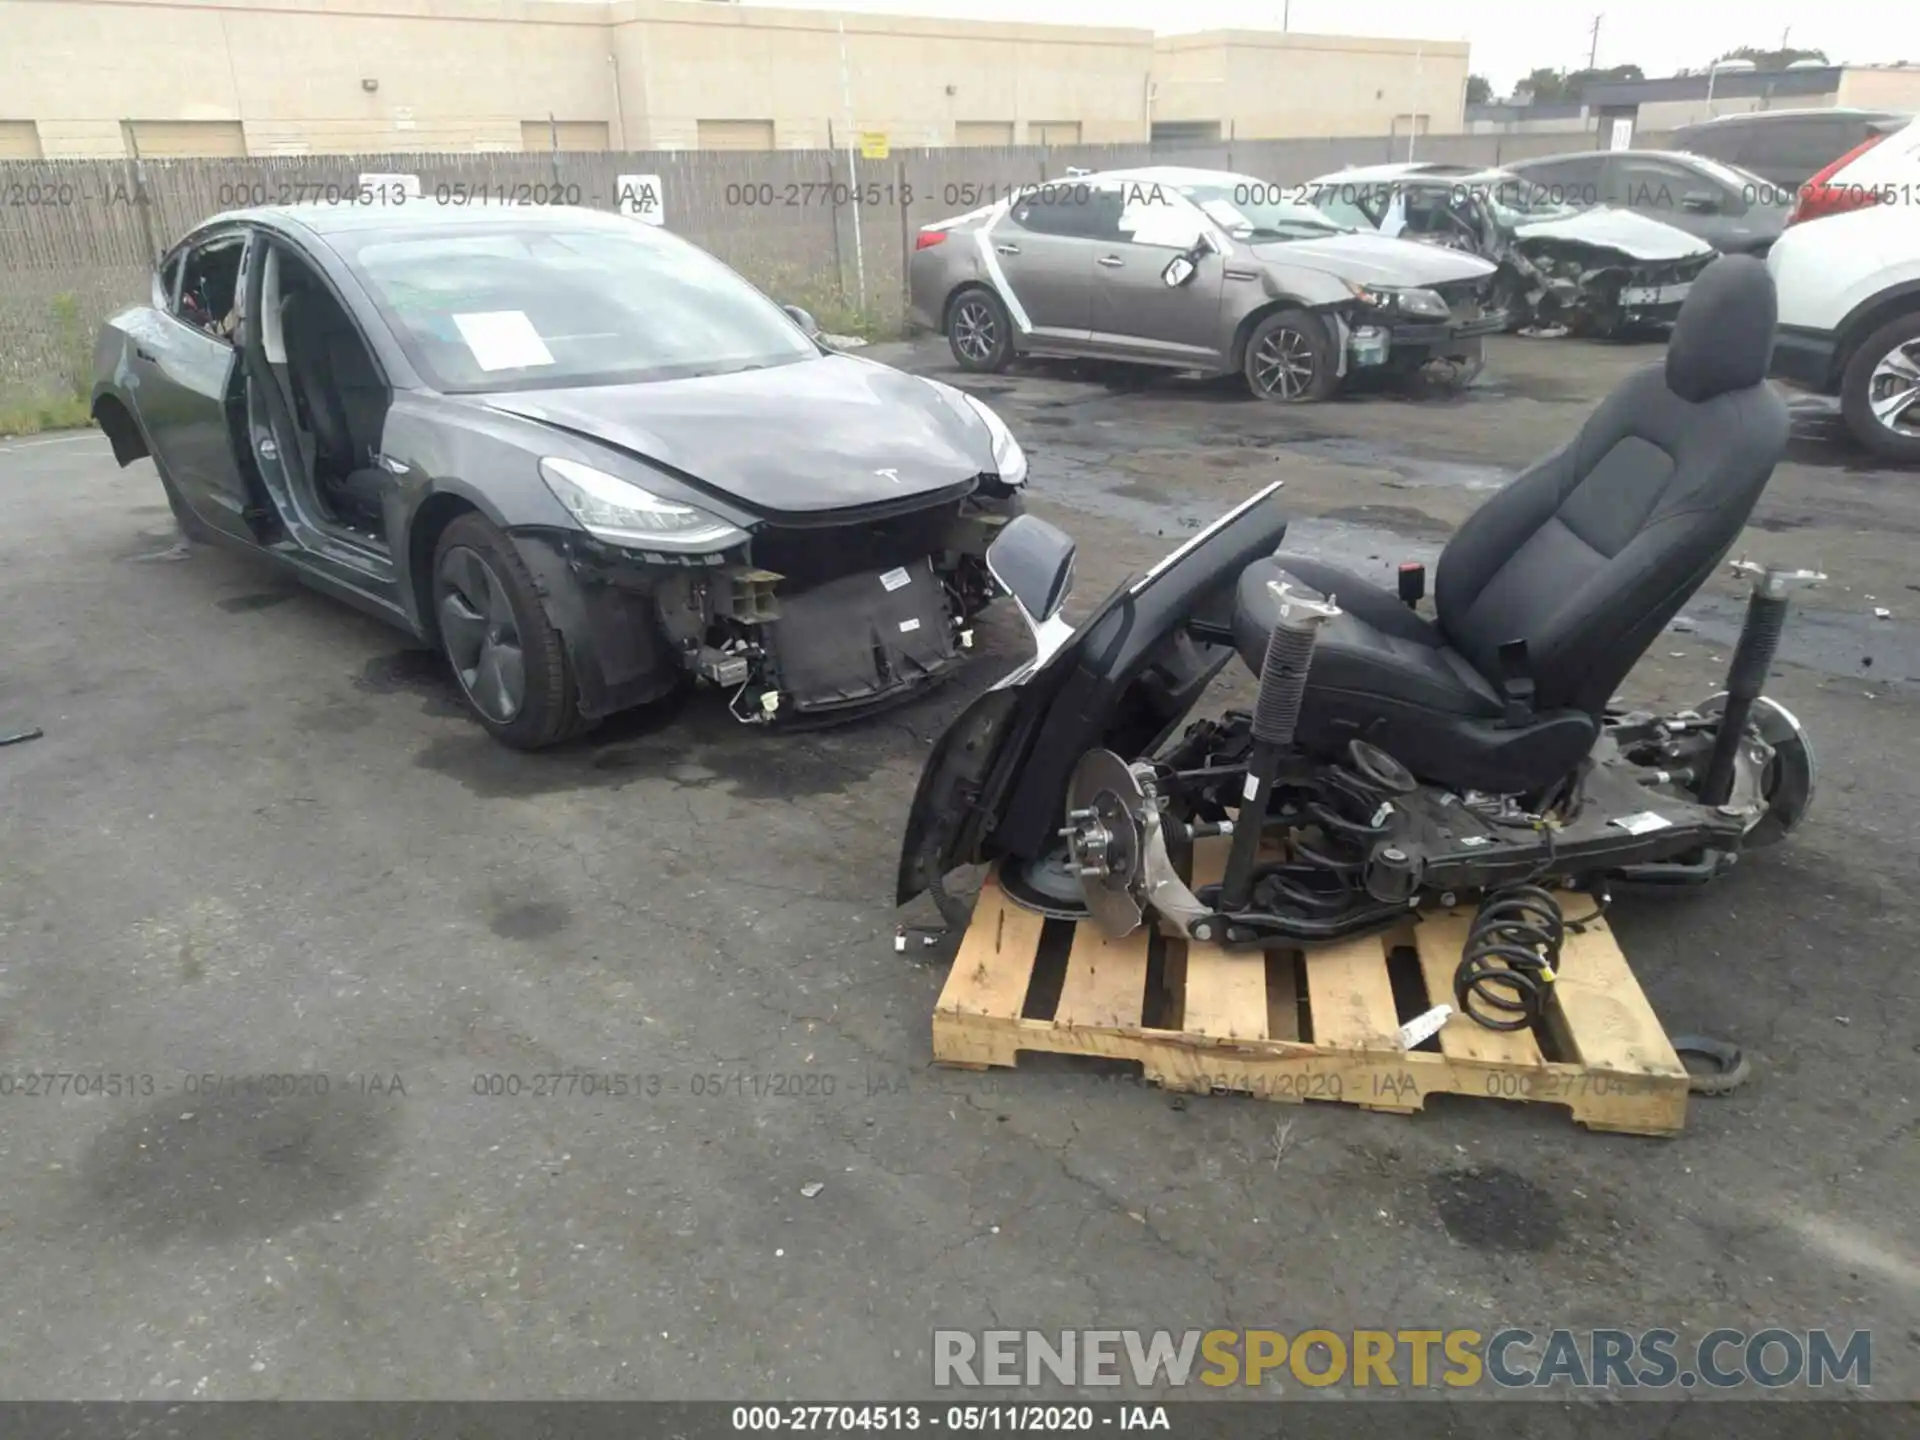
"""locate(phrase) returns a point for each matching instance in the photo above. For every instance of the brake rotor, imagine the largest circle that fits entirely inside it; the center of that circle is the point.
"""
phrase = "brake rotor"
(1048, 886)
(1788, 782)
(1106, 834)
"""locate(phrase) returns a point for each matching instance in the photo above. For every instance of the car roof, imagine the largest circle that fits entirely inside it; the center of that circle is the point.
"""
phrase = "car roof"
(1521, 165)
(1160, 175)
(416, 216)
(1809, 112)
(1411, 170)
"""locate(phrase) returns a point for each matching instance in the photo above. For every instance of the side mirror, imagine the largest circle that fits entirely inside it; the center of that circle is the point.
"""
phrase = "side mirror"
(1033, 562)
(1701, 202)
(805, 321)
(1178, 272)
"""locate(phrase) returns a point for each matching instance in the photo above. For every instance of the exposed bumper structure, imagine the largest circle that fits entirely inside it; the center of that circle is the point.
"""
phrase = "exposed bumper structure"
(801, 641)
(1596, 290)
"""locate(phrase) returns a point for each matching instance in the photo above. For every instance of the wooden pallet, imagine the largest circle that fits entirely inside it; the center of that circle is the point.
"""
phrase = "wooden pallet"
(1323, 1025)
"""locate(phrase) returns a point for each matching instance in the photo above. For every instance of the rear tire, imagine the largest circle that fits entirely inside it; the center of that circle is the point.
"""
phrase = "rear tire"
(979, 331)
(1887, 362)
(509, 661)
(1290, 358)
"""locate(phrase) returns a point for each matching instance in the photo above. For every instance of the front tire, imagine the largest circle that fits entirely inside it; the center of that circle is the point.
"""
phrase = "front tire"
(1880, 391)
(979, 331)
(1290, 358)
(509, 661)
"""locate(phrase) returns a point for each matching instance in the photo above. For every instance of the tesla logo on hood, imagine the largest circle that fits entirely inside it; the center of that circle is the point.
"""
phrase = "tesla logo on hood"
(893, 475)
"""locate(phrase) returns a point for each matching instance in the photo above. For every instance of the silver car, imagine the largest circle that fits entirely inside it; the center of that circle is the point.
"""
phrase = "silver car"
(1564, 261)
(1198, 270)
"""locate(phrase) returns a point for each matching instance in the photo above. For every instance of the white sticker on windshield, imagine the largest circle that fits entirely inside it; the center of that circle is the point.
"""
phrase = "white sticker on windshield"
(894, 579)
(503, 340)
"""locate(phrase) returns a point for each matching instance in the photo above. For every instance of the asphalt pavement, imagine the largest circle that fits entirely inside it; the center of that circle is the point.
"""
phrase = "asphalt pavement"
(258, 839)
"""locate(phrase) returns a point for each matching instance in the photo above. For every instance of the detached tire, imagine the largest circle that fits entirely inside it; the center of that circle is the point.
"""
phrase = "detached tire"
(1886, 364)
(1290, 359)
(979, 331)
(509, 661)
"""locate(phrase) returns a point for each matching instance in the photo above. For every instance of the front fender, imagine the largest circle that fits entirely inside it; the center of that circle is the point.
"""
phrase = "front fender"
(614, 646)
(1308, 288)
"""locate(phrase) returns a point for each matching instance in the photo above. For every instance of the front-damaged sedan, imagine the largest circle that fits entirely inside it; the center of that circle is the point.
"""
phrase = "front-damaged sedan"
(579, 455)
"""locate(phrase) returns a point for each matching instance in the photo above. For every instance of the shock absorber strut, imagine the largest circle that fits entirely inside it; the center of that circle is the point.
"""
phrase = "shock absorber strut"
(1276, 710)
(1747, 675)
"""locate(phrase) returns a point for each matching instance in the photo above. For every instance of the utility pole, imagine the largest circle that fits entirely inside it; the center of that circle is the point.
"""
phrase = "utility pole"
(1593, 49)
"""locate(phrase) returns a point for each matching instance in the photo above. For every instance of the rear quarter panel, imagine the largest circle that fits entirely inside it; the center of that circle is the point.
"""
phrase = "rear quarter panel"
(1823, 270)
(933, 274)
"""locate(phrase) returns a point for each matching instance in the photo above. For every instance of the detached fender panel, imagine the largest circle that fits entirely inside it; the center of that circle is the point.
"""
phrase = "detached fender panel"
(613, 640)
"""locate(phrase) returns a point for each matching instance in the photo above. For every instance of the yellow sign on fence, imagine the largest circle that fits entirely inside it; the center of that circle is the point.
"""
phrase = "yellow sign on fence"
(873, 144)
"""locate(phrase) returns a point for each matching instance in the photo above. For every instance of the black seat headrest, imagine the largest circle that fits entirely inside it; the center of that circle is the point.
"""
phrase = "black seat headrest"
(1723, 339)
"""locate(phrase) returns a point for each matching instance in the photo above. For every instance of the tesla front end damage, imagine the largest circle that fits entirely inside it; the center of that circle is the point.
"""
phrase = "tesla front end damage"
(803, 579)
(837, 620)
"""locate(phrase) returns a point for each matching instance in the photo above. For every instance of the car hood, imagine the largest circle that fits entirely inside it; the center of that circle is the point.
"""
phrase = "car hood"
(819, 435)
(1633, 235)
(1376, 259)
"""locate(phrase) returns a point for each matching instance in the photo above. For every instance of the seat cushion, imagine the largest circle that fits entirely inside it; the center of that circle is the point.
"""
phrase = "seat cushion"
(1382, 674)
(1376, 647)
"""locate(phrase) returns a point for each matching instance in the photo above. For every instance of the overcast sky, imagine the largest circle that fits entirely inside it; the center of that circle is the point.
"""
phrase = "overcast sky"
(1509, 37)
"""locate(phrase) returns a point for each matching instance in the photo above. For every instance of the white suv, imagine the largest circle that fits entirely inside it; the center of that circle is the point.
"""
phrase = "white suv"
(1847, 269)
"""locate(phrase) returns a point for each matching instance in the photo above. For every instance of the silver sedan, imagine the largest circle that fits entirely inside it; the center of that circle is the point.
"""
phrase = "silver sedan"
(1196, 270)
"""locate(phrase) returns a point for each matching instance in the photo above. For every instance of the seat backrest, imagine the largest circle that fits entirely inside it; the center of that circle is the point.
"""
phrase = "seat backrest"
(1588, 554)
(346, 400)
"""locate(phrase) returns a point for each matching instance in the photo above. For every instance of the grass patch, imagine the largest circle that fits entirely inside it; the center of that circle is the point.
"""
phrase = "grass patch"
(64, 405)
(835, 310)
(29, 415)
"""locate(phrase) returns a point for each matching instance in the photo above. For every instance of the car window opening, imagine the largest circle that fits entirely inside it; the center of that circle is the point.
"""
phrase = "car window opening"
(209, 291)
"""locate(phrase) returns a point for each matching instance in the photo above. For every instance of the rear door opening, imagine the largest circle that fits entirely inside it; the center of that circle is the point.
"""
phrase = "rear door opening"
(318, 404)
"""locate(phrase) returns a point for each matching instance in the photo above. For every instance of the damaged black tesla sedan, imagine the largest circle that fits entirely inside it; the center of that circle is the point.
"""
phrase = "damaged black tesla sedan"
(581, 456)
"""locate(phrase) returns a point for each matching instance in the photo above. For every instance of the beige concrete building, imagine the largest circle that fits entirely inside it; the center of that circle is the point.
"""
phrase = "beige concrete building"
(1270, 84)
(279, 77)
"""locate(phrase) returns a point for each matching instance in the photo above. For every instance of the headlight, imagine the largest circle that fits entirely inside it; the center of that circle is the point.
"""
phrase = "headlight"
(1403, 302)
(1008, 458)
(619, 511)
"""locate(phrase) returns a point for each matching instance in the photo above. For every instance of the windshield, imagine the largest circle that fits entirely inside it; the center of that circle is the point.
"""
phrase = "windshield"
(1256, 210)
(532, 308)
(1516, 200)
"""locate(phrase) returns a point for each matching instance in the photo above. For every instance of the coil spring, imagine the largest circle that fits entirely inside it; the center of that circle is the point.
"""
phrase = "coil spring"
(1321, 880)
(1507, 966)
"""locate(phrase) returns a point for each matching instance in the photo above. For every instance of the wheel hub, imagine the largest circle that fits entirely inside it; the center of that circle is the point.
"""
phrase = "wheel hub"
(481, 635)
(973, 330)
(1106, 837)
(1893, 390)
(1283, 364)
